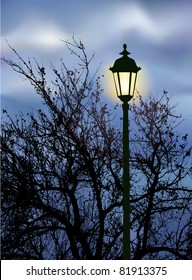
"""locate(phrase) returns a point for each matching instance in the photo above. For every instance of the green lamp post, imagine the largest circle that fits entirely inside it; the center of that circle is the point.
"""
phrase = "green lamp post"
(125, 77)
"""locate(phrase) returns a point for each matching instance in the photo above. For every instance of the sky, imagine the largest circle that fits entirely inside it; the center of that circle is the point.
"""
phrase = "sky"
(158, 35)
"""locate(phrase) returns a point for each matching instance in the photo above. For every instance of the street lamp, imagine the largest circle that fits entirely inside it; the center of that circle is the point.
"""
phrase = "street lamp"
(125, 77)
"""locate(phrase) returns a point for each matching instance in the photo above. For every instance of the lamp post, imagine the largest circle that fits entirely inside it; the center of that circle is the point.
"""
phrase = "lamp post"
(125, 76)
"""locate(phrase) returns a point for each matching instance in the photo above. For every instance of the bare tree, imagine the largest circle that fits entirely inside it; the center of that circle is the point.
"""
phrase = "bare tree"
(62, 169)
(161, 193)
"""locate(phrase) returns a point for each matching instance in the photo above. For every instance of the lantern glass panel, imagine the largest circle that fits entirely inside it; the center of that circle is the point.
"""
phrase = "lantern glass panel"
(117, 83)
(124, 81)
(133, 83)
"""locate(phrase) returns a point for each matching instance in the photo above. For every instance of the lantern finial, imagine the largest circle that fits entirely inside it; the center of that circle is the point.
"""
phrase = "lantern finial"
(125, 52)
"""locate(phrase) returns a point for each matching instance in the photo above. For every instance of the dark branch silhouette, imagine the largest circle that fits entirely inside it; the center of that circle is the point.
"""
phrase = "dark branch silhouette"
(62, 172)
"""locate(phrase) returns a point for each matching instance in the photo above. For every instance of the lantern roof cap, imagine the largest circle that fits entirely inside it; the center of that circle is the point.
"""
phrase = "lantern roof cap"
(125, 63)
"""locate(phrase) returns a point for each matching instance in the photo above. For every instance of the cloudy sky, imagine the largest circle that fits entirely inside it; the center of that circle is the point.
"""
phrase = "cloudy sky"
(158, 35)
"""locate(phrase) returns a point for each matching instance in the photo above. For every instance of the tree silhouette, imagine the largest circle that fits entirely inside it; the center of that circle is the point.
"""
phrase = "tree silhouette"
(62, 170)
(161, 166)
